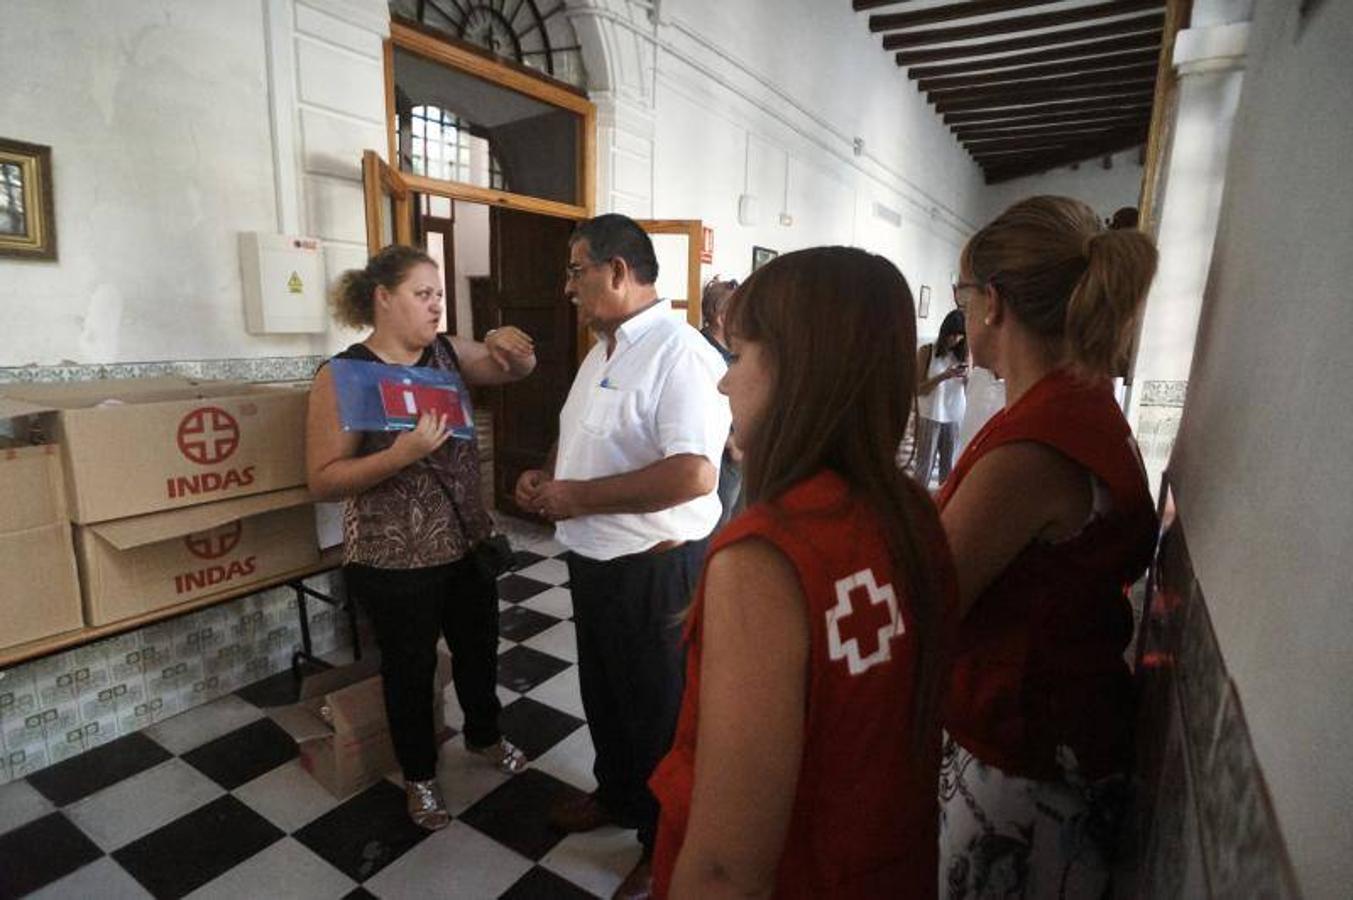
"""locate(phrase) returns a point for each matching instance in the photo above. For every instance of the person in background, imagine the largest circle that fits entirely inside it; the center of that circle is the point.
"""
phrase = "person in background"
(632, 489)
(1050, 520)
(1124, 217)
(940, 401)
(807, 751)
(713, 304)
(412, 516)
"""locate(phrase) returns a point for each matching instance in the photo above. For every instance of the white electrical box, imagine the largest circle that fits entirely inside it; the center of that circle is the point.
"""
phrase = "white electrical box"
(284, 284)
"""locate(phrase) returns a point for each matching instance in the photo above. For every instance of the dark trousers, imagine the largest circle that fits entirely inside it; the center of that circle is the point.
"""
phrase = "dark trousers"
(628, 615)
(410, 609)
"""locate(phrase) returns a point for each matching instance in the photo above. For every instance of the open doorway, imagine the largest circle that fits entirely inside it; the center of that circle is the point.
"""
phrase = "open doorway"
(505, 267)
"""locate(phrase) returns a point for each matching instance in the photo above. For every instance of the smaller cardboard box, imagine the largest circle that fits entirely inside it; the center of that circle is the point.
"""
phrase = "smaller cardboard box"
(144, 563)
(40, 596)
(139, 445)
(340, 727)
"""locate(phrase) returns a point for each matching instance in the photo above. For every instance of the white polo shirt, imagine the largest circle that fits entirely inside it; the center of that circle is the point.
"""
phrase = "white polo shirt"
(655, 397)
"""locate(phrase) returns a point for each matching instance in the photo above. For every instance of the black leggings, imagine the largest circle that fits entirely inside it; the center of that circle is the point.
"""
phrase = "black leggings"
(410, 609)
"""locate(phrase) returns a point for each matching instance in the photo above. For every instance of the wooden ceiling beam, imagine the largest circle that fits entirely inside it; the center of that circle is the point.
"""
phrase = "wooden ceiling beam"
(1043, 143)
(904, 39)
(996, 99)
(863, 5)
(1003, 129)
(949, 13)
(1069, 69)
(1148, 22)
(995, 174)
(985, 141)
(1057, 54)
(1053, 87)
(1011, 115)
(978, 148)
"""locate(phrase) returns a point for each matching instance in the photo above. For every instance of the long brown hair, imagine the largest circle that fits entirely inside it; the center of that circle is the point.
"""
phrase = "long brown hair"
(1066, 278)
(839, 327)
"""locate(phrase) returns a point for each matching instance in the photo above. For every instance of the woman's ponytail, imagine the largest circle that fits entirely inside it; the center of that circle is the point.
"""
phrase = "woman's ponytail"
(352, 299)
(1102, 312)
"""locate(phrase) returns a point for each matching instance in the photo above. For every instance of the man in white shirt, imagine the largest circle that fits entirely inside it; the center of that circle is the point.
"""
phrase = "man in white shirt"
(632, 488)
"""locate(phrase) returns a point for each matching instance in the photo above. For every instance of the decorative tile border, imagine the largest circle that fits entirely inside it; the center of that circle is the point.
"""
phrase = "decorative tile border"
(263, 368)
(1164, 393)
(1211, 810)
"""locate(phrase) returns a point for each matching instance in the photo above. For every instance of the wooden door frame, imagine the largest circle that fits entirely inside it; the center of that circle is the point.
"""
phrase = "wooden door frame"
(474, 62)
(381, 183)
(694, 231)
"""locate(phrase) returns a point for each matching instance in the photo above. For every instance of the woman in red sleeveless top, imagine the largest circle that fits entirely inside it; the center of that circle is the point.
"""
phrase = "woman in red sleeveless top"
(1050, 520)
(807, 748)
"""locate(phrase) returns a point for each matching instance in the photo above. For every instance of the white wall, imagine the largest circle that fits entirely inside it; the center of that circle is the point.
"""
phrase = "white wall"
(1261, 467)
(159, 115)
(718, 99)
(1105, 190)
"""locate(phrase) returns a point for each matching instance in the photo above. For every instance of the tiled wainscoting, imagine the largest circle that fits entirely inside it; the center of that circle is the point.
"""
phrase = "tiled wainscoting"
(57, 707)
(1203, 824)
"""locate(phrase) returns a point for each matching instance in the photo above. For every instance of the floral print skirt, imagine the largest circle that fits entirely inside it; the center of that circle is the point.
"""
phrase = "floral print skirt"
(1003, 836)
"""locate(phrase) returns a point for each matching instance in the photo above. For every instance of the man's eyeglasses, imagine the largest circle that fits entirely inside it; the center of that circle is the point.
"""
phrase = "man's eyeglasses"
(729, 283)
(575, 270)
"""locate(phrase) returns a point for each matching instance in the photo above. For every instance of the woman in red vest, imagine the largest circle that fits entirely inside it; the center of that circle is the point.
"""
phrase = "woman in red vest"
(1050, 520)
(807, 748)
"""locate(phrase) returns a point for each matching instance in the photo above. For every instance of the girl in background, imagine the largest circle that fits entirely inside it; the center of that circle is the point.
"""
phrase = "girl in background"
(940, 400)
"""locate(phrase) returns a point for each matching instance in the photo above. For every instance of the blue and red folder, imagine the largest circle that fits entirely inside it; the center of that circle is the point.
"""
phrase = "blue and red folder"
(375, 396)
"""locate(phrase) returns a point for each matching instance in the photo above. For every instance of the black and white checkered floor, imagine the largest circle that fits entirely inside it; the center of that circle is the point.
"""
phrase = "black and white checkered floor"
(214, 803)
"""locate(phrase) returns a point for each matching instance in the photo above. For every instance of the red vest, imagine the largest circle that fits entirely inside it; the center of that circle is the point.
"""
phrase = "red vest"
(864, 822)
(1039, 659)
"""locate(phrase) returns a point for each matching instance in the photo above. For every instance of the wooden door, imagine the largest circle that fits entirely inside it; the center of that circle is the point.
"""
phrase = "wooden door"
(528, 253)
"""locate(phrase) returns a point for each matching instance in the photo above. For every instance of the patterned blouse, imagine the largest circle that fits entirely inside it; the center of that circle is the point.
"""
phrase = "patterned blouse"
(427, 514)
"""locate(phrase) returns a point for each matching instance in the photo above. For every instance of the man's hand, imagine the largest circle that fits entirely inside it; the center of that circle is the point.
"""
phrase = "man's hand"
(558, 499)
(528, 485)
(510, 347)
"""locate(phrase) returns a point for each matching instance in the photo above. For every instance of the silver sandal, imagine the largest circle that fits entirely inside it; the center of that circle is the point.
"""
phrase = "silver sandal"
(504, 756)
(425, 804)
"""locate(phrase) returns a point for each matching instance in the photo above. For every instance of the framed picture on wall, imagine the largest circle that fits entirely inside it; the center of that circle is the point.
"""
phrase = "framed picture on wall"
(27, 214)
(923, 303)
(761, 256)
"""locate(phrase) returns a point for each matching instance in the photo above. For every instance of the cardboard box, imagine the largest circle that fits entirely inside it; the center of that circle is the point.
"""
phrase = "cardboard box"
(144, 563)
(137, 446)
(39, 591)
(340, 728)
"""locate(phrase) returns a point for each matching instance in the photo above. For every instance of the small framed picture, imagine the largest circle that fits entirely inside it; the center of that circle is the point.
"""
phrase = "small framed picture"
(761, 256)
(27, 214)
(923, 303)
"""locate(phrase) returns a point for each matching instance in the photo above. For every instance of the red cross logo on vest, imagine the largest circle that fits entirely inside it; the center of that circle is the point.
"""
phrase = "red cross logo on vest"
(865, 616)
(215, 543)
(208, 435)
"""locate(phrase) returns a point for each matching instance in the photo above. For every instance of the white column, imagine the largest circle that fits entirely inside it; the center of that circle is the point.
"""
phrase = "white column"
(1209, 62)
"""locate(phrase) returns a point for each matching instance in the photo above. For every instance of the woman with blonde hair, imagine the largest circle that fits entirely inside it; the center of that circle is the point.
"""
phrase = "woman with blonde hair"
(806, 757)
(1050, 520)
(413, 518)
